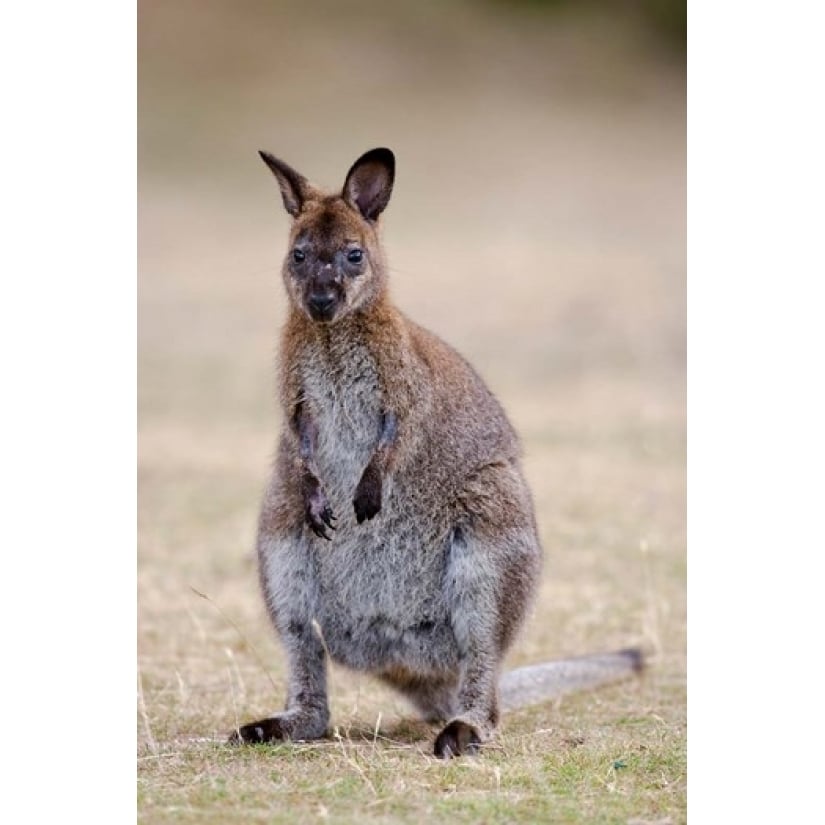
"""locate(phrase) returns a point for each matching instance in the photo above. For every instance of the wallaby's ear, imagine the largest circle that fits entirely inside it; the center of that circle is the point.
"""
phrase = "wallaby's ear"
(369, 182)
(295, 189)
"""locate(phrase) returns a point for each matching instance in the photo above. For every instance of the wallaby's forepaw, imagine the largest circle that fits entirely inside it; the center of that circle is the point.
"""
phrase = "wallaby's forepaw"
(457, 739)
(318, 513)
(367, 499)
(266, 730)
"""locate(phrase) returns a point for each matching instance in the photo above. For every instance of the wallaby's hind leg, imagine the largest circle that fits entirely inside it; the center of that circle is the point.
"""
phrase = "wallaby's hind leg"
(487, 585)
(307, 712)
(289, 588)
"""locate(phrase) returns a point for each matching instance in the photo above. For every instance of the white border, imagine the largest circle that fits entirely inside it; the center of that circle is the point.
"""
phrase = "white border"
(68, 326)
(755, 408)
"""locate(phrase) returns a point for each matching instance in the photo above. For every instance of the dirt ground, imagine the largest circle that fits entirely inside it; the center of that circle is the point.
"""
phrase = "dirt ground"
(537, 224)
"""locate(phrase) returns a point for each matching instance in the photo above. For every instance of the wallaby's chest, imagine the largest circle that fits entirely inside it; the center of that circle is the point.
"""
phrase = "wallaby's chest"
(342, 392)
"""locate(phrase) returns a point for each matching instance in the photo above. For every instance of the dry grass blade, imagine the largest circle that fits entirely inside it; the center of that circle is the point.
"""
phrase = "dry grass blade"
(150, 739)
(241, 635)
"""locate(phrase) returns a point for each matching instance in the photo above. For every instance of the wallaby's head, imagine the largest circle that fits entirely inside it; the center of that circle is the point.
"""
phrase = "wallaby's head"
(334, 265)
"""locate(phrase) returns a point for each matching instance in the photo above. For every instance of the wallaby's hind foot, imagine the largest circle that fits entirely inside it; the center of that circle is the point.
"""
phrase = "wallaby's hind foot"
(278, 728)
(265, 730)
(457, 739)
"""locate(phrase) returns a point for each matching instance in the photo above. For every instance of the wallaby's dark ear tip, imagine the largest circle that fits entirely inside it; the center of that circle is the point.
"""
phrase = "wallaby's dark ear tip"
(384, 153)
(381, 155)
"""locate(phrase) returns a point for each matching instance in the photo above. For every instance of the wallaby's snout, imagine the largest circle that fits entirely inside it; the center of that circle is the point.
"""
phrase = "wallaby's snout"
(322, 307)
(324, 294)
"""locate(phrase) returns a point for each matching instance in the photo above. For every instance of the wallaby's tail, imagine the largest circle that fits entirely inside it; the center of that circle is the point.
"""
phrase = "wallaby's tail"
(537, 683)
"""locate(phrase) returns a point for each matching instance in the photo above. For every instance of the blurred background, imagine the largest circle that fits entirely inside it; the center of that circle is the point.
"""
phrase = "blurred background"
(537, 224)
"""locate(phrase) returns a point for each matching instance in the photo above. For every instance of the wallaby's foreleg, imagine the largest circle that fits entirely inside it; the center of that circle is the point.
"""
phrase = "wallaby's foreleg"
(317, 511)
(368, 493)
(290, 591)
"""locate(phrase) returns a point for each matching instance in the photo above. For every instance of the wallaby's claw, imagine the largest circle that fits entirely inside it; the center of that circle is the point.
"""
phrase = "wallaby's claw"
(320, 528)
(319, 516)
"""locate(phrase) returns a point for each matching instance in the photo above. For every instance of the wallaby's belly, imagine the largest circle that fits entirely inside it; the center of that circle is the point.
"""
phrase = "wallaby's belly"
(380, 583)
(384, 608)
(380, 588)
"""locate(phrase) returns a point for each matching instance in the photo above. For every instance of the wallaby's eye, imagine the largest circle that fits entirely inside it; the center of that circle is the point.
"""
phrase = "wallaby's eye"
(355, 256)
(298, 256)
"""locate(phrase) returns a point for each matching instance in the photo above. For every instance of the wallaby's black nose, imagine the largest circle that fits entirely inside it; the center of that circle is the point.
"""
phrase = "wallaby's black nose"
(321, 304)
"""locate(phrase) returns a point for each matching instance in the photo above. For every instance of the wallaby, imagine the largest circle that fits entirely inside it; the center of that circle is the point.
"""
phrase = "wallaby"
(397, 534)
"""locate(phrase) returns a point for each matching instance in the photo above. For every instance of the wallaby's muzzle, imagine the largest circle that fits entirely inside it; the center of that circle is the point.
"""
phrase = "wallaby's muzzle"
(323, 294)
(322, 306)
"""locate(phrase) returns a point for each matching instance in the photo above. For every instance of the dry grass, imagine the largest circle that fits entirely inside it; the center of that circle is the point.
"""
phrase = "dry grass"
(538, 225)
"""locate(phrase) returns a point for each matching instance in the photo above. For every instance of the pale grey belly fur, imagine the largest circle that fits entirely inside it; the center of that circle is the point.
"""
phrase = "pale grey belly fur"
(380, 605)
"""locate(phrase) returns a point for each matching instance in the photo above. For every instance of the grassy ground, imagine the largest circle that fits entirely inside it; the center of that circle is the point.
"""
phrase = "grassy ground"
(538, 225)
